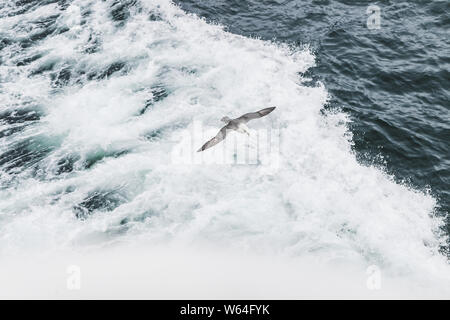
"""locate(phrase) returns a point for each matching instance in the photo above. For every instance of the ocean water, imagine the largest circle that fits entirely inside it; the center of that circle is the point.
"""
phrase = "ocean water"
(97, 95)
(391, 81)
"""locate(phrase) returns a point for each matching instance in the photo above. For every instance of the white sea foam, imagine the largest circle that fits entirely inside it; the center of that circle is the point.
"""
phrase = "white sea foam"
(319, 207)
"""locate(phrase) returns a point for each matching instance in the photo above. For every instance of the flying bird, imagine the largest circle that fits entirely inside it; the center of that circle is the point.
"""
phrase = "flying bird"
(238, 124)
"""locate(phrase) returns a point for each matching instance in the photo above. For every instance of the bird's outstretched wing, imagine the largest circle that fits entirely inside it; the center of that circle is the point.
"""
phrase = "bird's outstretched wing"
(219, 137)
(255, 115)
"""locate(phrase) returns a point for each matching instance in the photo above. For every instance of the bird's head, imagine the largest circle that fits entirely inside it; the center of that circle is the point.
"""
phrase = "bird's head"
(225, 119)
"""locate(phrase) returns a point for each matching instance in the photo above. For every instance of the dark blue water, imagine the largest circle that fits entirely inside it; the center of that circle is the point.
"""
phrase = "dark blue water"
(393, 81)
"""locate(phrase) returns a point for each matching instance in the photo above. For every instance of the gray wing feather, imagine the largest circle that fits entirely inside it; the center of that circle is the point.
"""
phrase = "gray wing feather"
(219, 137)
(255, 115)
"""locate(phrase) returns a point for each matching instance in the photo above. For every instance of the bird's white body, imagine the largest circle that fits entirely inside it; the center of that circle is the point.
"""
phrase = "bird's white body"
(242, 128)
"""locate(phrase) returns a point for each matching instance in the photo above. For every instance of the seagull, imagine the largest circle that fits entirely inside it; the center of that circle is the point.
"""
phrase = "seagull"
(237, 124)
